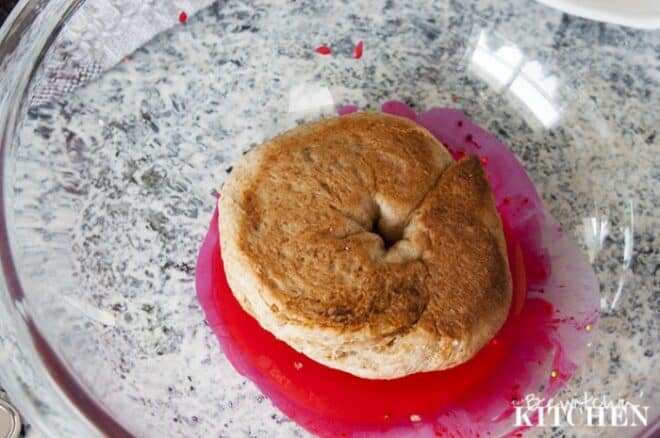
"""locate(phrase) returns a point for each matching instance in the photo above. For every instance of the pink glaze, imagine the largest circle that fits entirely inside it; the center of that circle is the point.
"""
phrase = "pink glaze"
(555, 297)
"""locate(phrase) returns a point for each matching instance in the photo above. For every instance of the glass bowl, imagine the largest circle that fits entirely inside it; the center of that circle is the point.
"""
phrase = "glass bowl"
(108, 183)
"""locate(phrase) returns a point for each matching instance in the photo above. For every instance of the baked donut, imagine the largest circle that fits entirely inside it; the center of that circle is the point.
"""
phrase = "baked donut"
(358, 241)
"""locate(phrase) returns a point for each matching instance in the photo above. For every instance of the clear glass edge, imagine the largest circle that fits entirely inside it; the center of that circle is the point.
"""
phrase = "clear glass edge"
(12, 102)
(36, 384)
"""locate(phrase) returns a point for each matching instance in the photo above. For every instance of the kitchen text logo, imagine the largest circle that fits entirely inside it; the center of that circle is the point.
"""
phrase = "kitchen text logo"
(588, 410)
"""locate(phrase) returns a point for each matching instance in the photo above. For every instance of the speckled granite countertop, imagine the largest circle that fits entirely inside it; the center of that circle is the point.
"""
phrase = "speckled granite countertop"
(139, 152)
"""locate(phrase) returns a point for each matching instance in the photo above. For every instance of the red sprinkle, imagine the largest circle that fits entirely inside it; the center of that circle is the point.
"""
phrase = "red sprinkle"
(323, 50)
(484, 160)
(359, 48)
(183, 17)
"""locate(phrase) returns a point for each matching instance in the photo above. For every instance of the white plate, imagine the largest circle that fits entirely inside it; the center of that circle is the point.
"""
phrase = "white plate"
(643, 14)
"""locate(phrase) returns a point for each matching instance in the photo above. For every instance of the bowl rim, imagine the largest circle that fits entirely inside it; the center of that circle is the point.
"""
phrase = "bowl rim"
(25, 38)
(62, 381)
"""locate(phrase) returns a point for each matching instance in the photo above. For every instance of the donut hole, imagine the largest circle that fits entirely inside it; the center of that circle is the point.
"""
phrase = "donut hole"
(385, 225)
(401, 243)
(389, 235)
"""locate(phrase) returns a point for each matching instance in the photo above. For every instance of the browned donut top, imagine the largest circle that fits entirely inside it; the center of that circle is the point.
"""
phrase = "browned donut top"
(365, 222)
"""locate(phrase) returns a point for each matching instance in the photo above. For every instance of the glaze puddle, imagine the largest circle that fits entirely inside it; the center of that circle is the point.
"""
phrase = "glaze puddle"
(536, 351)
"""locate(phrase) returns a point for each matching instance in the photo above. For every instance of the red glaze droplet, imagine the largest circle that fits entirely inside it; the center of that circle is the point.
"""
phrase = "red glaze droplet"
(359, 48)
(470, 139)
(347, 109)
(323, 50)
(484, 160)
(183, 17)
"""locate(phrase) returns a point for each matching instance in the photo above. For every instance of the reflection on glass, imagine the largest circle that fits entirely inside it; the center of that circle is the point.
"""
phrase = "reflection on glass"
(306, 98)
(595, 231)
(498, 66)
(628, 246)
(537, 92)
(501, 64)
